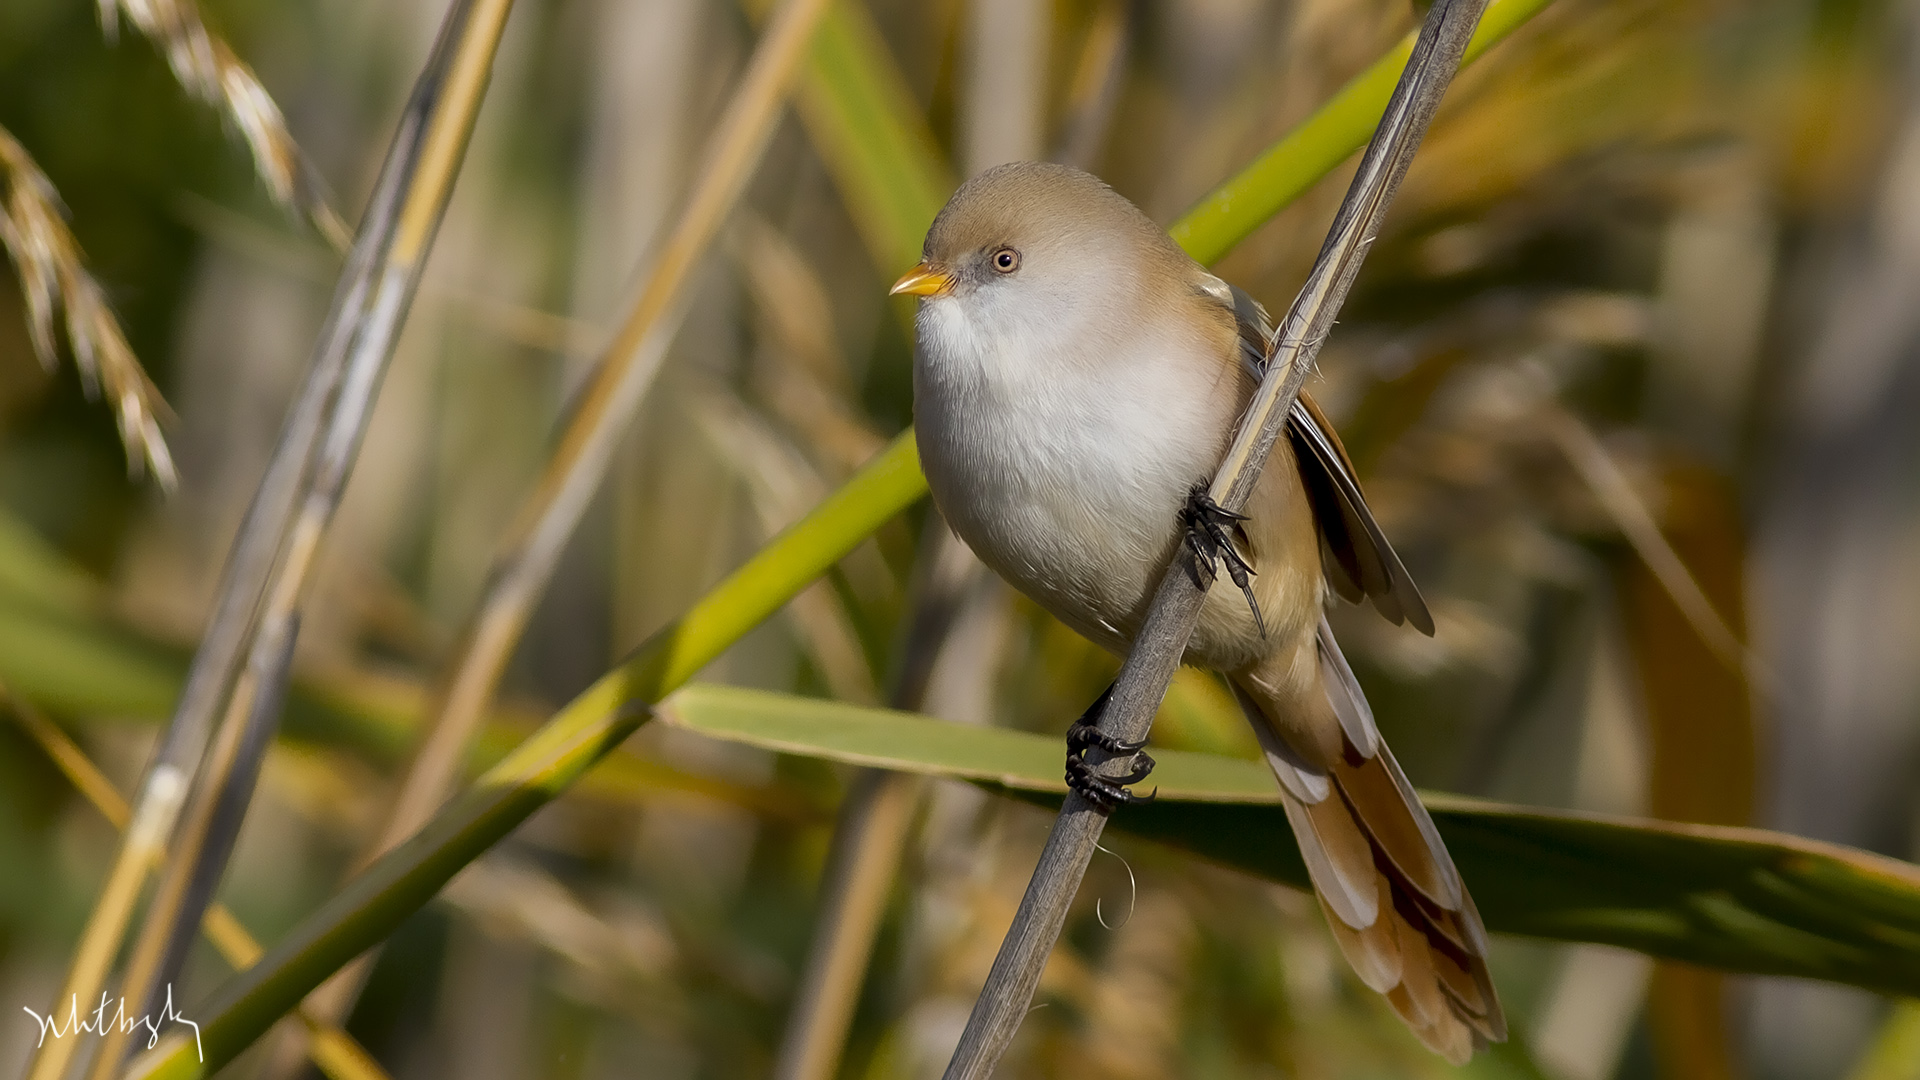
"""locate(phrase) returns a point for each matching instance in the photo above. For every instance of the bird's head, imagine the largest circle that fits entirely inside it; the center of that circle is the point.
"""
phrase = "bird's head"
(1030, 235)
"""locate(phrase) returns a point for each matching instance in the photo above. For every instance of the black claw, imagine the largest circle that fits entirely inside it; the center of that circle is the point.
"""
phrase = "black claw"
(1142, 765)
(1103, 792)
(1207, 523)
(1107, 794)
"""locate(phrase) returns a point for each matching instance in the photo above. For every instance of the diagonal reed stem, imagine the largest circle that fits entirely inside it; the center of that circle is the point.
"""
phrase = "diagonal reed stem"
(1609, 484)
(243, 654)
(1156, 653)
(546, 521)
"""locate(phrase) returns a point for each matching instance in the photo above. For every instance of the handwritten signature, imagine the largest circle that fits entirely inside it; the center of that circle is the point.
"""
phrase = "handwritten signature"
(102, 1023)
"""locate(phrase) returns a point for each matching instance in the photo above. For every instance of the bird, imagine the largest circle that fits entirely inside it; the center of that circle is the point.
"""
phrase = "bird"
(1077, 380)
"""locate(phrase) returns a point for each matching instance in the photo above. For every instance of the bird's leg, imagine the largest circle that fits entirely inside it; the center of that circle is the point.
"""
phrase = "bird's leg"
(1085, 732)
(1209, 531)
(1103, 792)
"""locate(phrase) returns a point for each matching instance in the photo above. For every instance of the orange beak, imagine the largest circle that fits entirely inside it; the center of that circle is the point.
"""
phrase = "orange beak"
(926, 279)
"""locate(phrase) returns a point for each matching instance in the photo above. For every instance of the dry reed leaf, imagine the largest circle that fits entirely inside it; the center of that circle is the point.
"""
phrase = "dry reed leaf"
(209, 70)
(56, 281)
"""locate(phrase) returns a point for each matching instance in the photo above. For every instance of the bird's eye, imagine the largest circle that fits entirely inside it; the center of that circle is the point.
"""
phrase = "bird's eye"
(1006, 260)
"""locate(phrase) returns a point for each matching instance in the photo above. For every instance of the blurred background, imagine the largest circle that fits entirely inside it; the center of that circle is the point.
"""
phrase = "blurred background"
(1658, 257)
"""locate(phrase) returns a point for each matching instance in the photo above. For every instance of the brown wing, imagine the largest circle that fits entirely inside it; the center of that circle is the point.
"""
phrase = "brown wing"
(1355, 548)
(1360, 563)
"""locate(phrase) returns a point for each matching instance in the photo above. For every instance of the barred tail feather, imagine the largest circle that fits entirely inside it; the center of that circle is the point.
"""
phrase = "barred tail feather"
(1391, 894)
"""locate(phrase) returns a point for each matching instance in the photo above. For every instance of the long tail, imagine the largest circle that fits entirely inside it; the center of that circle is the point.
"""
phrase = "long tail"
(1383, 877)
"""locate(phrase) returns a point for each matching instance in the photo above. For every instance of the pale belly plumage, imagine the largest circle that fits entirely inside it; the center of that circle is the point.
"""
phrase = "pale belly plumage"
(1069, 481)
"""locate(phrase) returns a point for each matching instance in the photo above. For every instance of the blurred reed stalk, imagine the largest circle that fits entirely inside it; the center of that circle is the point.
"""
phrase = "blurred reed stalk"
(1004, 45)
(870, 833)
(209, 70)
(1698, 682)
(539, 535)
(1093, 91)
(1156, 653)
(1609, 484)
(54, 278)
(242, 660)
(337, 1054)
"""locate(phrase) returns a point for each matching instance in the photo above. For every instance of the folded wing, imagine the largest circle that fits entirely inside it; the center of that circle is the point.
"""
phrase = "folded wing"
(1360, 563)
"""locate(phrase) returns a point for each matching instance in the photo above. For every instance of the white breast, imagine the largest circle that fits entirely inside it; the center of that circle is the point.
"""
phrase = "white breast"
(1062, 454)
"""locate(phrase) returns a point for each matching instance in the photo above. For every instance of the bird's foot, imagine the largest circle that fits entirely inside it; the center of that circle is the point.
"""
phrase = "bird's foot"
(1106, 793)
(1210, 529)
(1082, 735)
(1103, 792)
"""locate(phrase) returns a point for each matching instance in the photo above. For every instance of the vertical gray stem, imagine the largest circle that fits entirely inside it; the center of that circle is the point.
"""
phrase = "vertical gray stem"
(1156, 654)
